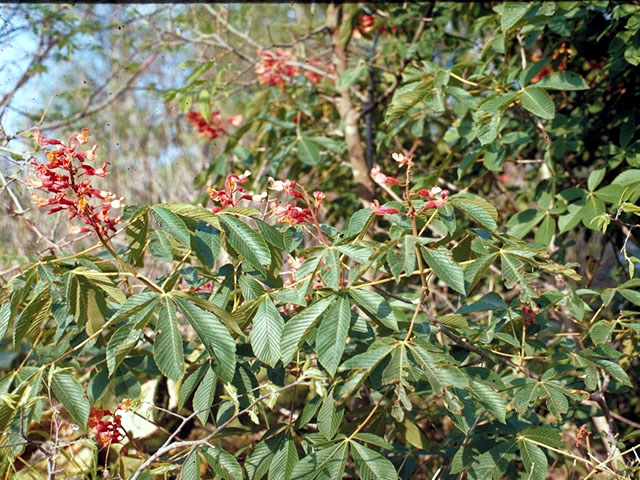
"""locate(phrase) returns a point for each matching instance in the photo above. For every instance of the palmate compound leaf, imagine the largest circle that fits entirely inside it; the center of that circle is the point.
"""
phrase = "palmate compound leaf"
(167, 347)
(215, 337)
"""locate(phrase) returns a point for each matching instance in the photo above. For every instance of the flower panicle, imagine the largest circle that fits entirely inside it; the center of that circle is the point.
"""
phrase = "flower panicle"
(67, 178)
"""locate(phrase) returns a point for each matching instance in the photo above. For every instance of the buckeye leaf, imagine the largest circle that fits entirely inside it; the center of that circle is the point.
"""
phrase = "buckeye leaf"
(207, 244)
(298, 327)
(246, 241)
(267, 332)
(512, 13)
(538, 102)
(167, 348)
(445, 267)
(215, 337)
(204, 394)
(563, 81)
(70, 394)
(332, 334)
(172, 224)
(480, 210)
(371, 464)
(308, 151)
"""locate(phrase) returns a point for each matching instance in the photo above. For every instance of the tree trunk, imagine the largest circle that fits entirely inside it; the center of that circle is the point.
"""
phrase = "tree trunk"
(349, 114)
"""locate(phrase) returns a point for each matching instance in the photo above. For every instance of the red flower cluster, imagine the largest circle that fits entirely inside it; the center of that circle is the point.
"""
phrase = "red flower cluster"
(214, 128)
(437, 197)
(290, 212)
(61, 177)
(548, 69)
(528, 315)
(228, 197)
(278, 68)
(318, 64)
(107, 431)
(275, 68)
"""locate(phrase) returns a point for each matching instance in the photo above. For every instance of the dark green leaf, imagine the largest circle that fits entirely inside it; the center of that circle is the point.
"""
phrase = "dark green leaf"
(215, 337)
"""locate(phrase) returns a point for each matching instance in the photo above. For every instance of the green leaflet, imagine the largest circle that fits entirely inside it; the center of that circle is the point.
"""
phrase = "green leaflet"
(191, 467)
(538, 102)
(204, 394)
(371, 465)
(445, 267)
(329, 417)
(308, 151)
(70, 394)
(512, 12)
(563, 81)
(266, 333)
(284, 459)
(299, 326)
(246, 242)
(480, 210)
(534, 459)
(328, 462)
(167, 348)
(215, 337)
(222, 463)
(207, 244)
(332, 333)
(172, 224)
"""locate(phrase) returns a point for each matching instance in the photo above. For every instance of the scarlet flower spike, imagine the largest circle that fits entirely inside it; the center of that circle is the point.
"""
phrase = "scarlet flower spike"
(60, 177)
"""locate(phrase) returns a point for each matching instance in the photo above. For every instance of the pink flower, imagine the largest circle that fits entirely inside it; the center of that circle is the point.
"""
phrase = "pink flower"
(255, 198)
(401, 158)
(378, 210)
(290, 213)
(235, 120)
(318, 197)
(288, 186)
(437, 197)
(44, 141)
(381, 178)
